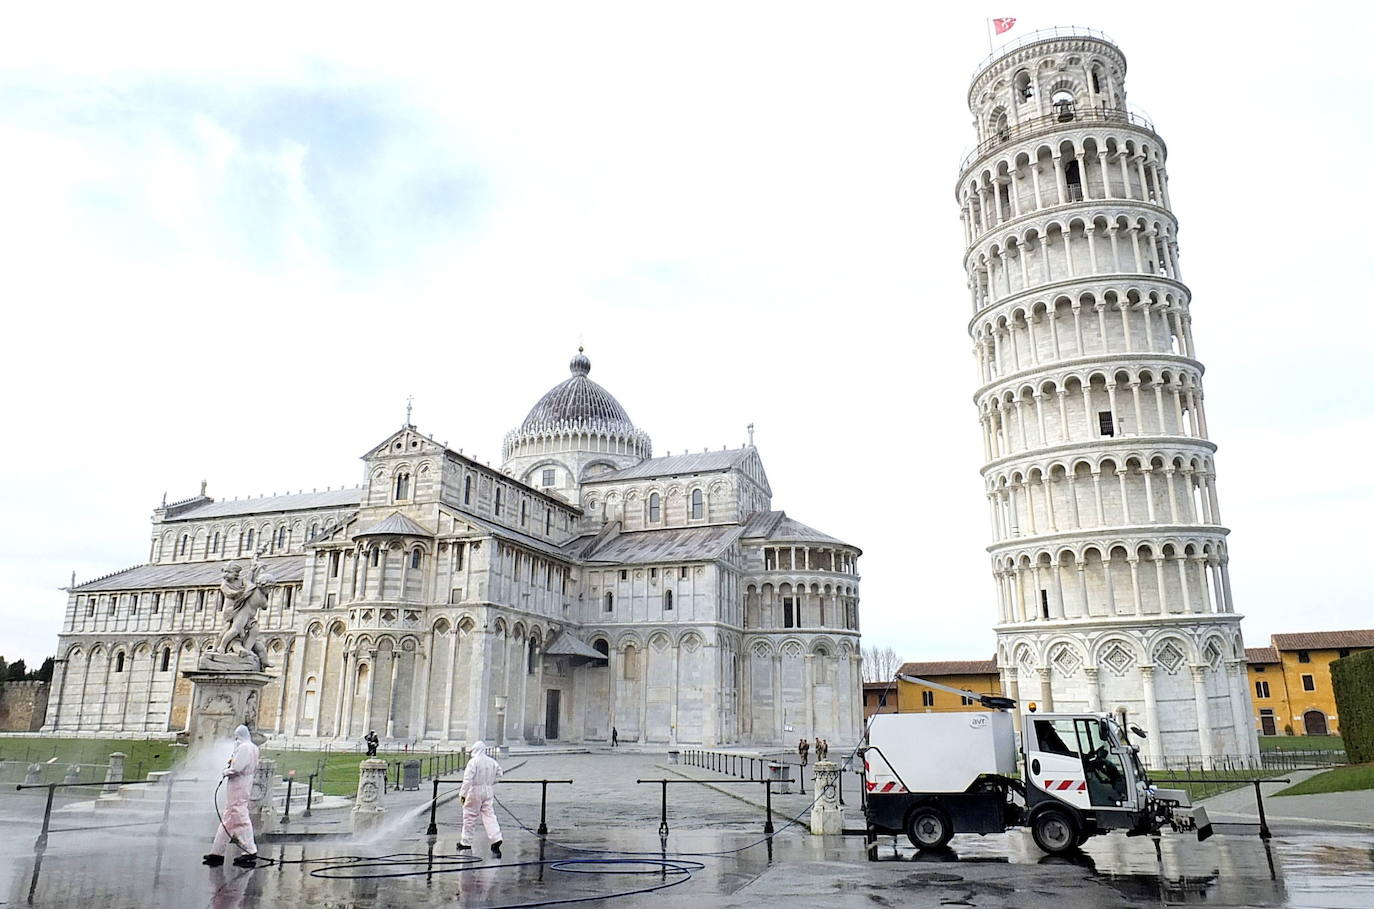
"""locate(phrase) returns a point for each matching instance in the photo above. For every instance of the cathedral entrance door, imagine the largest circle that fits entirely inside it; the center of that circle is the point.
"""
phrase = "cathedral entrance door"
(551, 714)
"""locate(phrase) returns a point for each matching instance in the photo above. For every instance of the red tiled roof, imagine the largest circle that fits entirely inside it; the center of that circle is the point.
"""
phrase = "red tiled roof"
(1261, 655)
(1323, 640)
(951, 667)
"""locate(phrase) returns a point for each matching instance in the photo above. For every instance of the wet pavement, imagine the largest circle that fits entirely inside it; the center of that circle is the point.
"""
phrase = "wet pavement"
(603, 847)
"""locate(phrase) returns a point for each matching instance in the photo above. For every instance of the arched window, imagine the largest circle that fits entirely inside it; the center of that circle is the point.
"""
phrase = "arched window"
(415, 558)
(281, 537)
(667, 599)
(524, 513)
(533, 659)
(375, 550)
(609, 599)
(181, 549)
(467, 490)
(312, 698)
(248, 540)
(548, 521)
(698, 505)
(498, 500)
(402, 486)
(214, 546)
(119, 661)
(1073, 178)
(314, 531)
(601, 647)
(655, 508)
(166, 659)
(1063, 104)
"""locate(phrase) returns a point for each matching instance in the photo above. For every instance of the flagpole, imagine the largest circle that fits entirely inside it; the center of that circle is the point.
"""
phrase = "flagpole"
(987, 27)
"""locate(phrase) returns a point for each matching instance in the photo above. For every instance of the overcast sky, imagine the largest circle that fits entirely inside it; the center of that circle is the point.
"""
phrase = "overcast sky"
(231, 247)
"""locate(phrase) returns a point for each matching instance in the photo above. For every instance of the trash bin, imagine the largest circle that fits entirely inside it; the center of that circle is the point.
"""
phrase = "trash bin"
(410, 775)
(779, 774)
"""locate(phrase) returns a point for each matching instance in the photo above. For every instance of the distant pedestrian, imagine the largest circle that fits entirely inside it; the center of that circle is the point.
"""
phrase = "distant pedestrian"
(822, 750)
(372, 741)
(803, 748)
(615, 737)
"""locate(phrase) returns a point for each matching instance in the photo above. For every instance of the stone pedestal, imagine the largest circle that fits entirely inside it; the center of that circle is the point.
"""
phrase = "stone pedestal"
(368, 810)
(223, 700)
(73, 775)
(34, 775)
(114, 773)
(261, 808)
(827, 817)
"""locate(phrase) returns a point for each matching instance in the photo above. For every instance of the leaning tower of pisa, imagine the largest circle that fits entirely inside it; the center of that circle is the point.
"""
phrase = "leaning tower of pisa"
(1108, 552)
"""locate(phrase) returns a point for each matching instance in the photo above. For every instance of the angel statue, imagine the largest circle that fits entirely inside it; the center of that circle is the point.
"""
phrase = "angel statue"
(243, 599)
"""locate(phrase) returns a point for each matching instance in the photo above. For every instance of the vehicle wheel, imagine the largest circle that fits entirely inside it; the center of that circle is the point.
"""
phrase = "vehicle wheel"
(1054, 831)
(1082, 838)
(929, 828)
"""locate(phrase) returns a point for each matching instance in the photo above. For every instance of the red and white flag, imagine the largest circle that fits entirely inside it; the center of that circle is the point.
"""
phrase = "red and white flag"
(1003, 25)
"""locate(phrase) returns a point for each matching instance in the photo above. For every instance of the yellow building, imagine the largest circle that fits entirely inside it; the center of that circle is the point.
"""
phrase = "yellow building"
(979, 676)
(1290, 680)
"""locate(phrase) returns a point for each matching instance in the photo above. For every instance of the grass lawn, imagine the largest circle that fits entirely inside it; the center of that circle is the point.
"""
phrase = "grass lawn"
(339, 769)
(1341, 779)
(1301, 743)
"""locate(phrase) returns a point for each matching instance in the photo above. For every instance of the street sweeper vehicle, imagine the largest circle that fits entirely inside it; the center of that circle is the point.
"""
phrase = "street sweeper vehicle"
(932, 775)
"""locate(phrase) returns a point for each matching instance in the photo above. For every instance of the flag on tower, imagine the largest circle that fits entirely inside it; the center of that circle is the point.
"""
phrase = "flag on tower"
(1003, 25)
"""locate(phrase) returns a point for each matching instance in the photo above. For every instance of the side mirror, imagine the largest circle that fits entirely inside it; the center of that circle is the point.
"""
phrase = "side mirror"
(1138, 731)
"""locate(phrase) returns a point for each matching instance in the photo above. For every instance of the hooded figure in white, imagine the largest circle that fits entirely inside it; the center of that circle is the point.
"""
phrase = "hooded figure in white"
(235, 823)
(478, 795)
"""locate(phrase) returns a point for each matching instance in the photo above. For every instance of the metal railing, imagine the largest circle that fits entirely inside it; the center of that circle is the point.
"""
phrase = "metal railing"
(1041, 34)
(745, 767)
(665, 783)
(1059, 119)
(433, 829)
(1263, 825)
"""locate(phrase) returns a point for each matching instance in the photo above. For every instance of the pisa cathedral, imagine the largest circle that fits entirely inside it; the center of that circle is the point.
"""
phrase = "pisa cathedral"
(1108, 552)
(584, 585)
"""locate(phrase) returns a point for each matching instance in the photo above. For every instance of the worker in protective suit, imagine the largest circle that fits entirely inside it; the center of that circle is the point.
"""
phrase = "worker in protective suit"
(479, 798)
(235, 825)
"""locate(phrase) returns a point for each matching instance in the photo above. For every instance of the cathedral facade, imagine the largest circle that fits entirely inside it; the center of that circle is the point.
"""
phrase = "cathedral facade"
(583, 586)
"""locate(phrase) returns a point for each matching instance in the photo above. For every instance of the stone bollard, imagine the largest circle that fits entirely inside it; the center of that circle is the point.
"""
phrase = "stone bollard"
(827, 817)
(114, 773)
(34, 776)
(261, 807)
(368, 810)
(73, 775)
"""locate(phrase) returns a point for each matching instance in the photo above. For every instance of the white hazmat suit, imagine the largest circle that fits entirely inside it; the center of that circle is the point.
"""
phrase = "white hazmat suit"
(238, 777)
(478, 795)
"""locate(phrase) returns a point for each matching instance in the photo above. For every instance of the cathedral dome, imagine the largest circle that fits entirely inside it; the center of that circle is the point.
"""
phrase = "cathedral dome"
(578, 415)
(578, 403)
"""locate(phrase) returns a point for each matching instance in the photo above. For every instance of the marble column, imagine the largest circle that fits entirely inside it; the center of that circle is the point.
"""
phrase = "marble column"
(1154, 745)
(1204, 718)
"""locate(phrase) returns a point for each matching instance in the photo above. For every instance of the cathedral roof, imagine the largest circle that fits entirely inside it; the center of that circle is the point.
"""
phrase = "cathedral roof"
(674, 544)
(675, 465)
(776, 526)
(299, 501)
(396, 524)
(570, 645)
(578, 402)
(283, 569)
